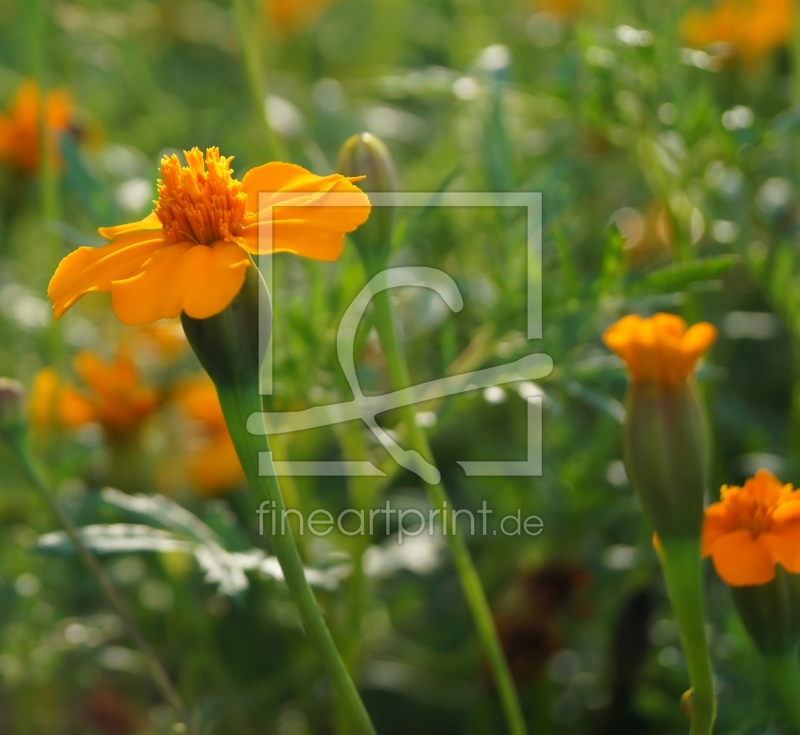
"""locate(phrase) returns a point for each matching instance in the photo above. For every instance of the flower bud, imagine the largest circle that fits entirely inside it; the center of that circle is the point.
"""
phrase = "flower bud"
(232, 344)
(665, 434)
(665, 445)
(12, 404)
(366, 155)
(771, 612)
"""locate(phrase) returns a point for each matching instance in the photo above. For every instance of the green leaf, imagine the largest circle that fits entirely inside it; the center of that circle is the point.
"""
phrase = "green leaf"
(678, 276)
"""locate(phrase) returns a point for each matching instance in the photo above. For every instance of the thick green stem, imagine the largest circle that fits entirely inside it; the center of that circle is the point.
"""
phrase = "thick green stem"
(239, 402)
(785, 673)
(247, 24)
(465, 568)
(684, 576)
(18, 442)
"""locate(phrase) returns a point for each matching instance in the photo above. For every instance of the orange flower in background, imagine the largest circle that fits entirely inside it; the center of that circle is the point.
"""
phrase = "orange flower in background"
(19, 127)
(211, 460)
(659, 348)
(114, 396)
(751, 28)
(561, 8)
(753, 528)
(164, 340)
(290, 15)
(190, 254)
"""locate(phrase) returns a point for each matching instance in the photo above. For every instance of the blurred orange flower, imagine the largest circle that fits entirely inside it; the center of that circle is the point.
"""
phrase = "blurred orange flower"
(165, 339)
(753, 528)
(190, 254)
(659, 348)
(114, 396)
(561, 8)
(19, 127)
(751, 28)
(291, 15)
(211, 462)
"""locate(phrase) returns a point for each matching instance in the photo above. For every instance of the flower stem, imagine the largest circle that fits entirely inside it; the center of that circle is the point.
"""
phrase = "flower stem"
(465, 568)
(785, 673)
(18, 442)
(247, 26)
(683, 574)
(239, 402)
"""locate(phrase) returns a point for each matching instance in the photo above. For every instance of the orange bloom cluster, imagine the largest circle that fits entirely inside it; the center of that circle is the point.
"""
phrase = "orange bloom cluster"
(114, 397)
(752, 28)
(753, 528)
(291, 15)
(19, 126)
(190, 254)
(660, 348)
(211, 462)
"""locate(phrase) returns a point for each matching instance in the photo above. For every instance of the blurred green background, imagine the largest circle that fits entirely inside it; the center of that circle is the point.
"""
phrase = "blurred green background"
(667, 158)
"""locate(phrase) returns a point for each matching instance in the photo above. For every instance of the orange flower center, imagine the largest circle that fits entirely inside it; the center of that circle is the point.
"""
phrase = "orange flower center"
(751, 507)
(201, 202)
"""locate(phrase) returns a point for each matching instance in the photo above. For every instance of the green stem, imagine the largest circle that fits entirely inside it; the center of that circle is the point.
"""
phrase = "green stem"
(18, 442)
(465, 568)
(785, 673)
(247, 24)
(684, 577)
(239, 402)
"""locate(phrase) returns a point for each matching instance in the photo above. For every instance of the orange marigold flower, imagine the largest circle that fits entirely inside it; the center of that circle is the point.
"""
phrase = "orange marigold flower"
(753, 528)
(659, 348)
(290, 15)
(115, 397)
(751, 28)
(190, 254)
(211, 462)
(19, 127)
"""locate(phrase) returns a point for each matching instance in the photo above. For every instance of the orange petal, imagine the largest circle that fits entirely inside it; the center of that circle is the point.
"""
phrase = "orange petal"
(94, 269)
(715, 525)
(274, 177)
(151, 222)
(75, 409)
(151, 294)
(198, 279)
(301, 213)
(783, 542)
(741, 560)
(787, 511)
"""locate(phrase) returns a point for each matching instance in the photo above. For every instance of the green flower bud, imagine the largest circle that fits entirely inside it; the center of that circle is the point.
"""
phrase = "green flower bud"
(366, 155)
(771, 612)
(232, 344)
(666, 449)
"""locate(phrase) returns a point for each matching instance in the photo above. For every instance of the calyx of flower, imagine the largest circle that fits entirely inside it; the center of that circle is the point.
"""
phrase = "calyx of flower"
(666, 448)
(231, 345)
(771, 612)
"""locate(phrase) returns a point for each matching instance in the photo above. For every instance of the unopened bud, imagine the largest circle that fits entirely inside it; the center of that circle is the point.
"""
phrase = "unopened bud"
(771, 612)
(366, 155)
(12, 404)
(666, 447)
